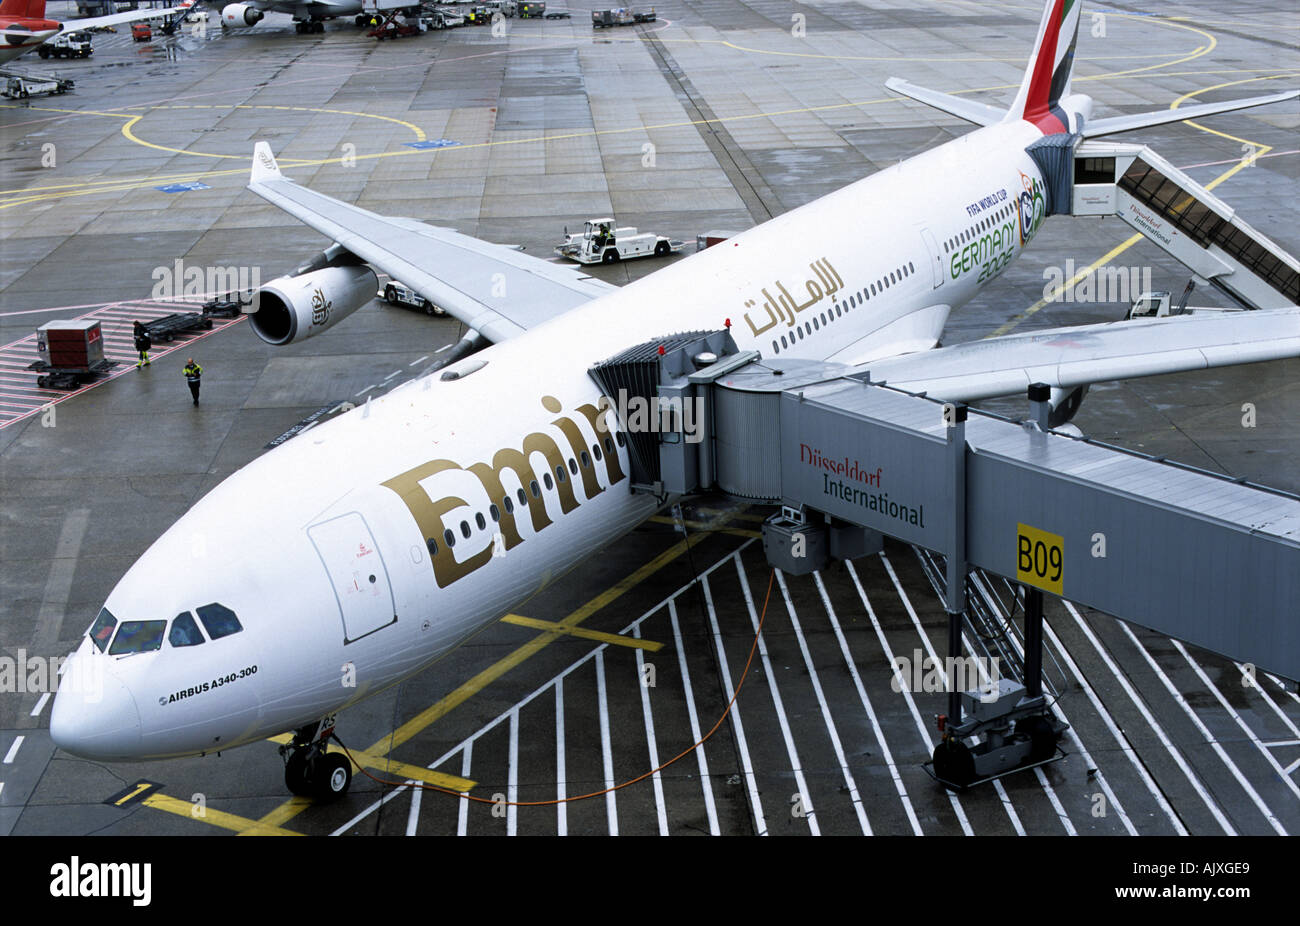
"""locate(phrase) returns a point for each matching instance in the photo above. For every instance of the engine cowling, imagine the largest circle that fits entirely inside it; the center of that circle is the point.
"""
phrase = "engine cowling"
(294, 308)
(240, 14)
(1065, 405)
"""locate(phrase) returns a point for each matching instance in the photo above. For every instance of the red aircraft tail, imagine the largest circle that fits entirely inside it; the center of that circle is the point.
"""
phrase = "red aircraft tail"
(23, 9)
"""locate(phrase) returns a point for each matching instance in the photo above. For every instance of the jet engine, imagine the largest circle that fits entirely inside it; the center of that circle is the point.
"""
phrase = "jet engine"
(1065, 405)
(294, 308)
(240, 14)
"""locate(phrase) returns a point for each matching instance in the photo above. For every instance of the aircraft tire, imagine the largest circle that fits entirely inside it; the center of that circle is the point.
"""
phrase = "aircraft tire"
(953, 762)
(1042, 741)
(333, 777)
(295, 774)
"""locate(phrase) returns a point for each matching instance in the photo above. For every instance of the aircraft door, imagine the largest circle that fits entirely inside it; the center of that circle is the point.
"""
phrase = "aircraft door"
(357, 573)
(936, 256)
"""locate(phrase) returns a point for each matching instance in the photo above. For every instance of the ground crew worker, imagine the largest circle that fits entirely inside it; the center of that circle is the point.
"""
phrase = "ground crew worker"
(142, 344)
(192, 374)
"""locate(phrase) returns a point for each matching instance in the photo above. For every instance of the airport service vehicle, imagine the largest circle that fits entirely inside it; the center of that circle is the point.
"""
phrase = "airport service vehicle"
(604, 19)
(393, 28)
(531, 10)
(141, 32)
(601, 243)
(713, 237)
(443, 19)
(71, 353)
(68, 45)
(396, 293)
(370, 544)
(24, 26)
(20, 88)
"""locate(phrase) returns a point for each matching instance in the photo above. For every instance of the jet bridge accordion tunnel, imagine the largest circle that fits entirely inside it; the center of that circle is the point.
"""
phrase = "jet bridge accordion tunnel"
(1188, 553)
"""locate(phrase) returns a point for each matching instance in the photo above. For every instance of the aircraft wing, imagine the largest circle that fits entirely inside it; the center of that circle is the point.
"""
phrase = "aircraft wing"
(128, 16)
(496, 290)
(1084, 354)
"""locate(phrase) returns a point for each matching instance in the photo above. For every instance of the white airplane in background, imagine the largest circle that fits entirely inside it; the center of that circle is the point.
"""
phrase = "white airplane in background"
(365, 546)
(308, 15)
(24, 27)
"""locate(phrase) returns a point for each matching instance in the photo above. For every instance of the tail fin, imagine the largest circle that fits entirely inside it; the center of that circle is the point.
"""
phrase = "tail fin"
(1044, 98)
(1046, 82)
(23, 9)
(264, 166)
(1047, 79)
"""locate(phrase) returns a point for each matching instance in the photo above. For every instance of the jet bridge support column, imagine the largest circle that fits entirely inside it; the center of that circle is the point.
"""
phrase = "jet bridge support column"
(955, 598)
(1040, 411)
(1033, 642)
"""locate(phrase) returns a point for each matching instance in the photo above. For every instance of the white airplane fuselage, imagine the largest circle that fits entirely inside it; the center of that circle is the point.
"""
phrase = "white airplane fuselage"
(317, 544)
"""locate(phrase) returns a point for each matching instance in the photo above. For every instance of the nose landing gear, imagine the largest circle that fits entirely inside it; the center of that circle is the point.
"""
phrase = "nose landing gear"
(311, 771)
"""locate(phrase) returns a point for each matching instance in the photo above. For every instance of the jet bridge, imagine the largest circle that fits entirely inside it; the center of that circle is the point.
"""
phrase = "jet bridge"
(1171, 209)
(1189, 553)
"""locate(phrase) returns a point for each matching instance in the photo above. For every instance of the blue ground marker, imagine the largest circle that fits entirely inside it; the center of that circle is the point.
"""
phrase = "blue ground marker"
(439, 143)
(183, 187)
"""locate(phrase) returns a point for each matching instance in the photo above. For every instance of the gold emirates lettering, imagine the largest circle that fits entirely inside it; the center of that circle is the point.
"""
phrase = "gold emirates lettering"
(428, 512)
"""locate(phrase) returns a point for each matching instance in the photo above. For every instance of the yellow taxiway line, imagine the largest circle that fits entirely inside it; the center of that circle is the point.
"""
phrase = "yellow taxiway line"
(221, 818)
(597, 635)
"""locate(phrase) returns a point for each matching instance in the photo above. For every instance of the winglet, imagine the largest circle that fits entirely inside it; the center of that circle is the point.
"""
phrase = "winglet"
(264, 166)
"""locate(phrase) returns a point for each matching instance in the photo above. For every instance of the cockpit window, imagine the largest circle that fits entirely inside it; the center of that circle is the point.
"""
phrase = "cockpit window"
(218, 620)
(102, 630)
(184, 631)
(138, 637)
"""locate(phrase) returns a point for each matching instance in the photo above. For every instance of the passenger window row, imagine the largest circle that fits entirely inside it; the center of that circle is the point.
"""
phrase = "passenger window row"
(147, 636)
(964, 237)
(838, 310)
(508, 504)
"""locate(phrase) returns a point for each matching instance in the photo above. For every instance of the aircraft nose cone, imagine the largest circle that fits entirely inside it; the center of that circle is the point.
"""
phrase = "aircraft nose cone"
(94, 714)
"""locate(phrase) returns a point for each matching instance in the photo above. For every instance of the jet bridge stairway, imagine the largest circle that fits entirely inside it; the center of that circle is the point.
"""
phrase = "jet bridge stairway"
(1185, 219)
(1192, 554)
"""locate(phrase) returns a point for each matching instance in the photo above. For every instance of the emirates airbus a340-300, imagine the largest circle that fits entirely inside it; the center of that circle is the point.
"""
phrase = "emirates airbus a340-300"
(369, 540)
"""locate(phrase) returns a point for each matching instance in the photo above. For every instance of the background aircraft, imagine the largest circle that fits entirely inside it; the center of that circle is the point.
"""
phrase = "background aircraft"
(24, 26)
(345, 561)
(308, 15)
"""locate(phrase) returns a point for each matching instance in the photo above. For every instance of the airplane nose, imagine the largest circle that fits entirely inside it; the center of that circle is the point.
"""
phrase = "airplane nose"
(94, 714)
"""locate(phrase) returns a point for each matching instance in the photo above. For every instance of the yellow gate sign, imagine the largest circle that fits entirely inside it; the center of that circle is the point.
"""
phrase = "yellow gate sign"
(1040, 558)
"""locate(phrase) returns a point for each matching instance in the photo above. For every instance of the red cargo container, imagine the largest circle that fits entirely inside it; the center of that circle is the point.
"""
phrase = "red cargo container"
(74, 345)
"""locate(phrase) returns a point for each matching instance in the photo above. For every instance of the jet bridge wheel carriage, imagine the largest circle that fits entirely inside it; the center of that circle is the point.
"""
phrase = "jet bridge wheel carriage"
(1015, 732)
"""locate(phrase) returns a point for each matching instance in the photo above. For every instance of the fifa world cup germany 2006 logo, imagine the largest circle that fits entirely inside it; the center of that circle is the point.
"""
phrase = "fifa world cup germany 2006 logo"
(320, 307)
